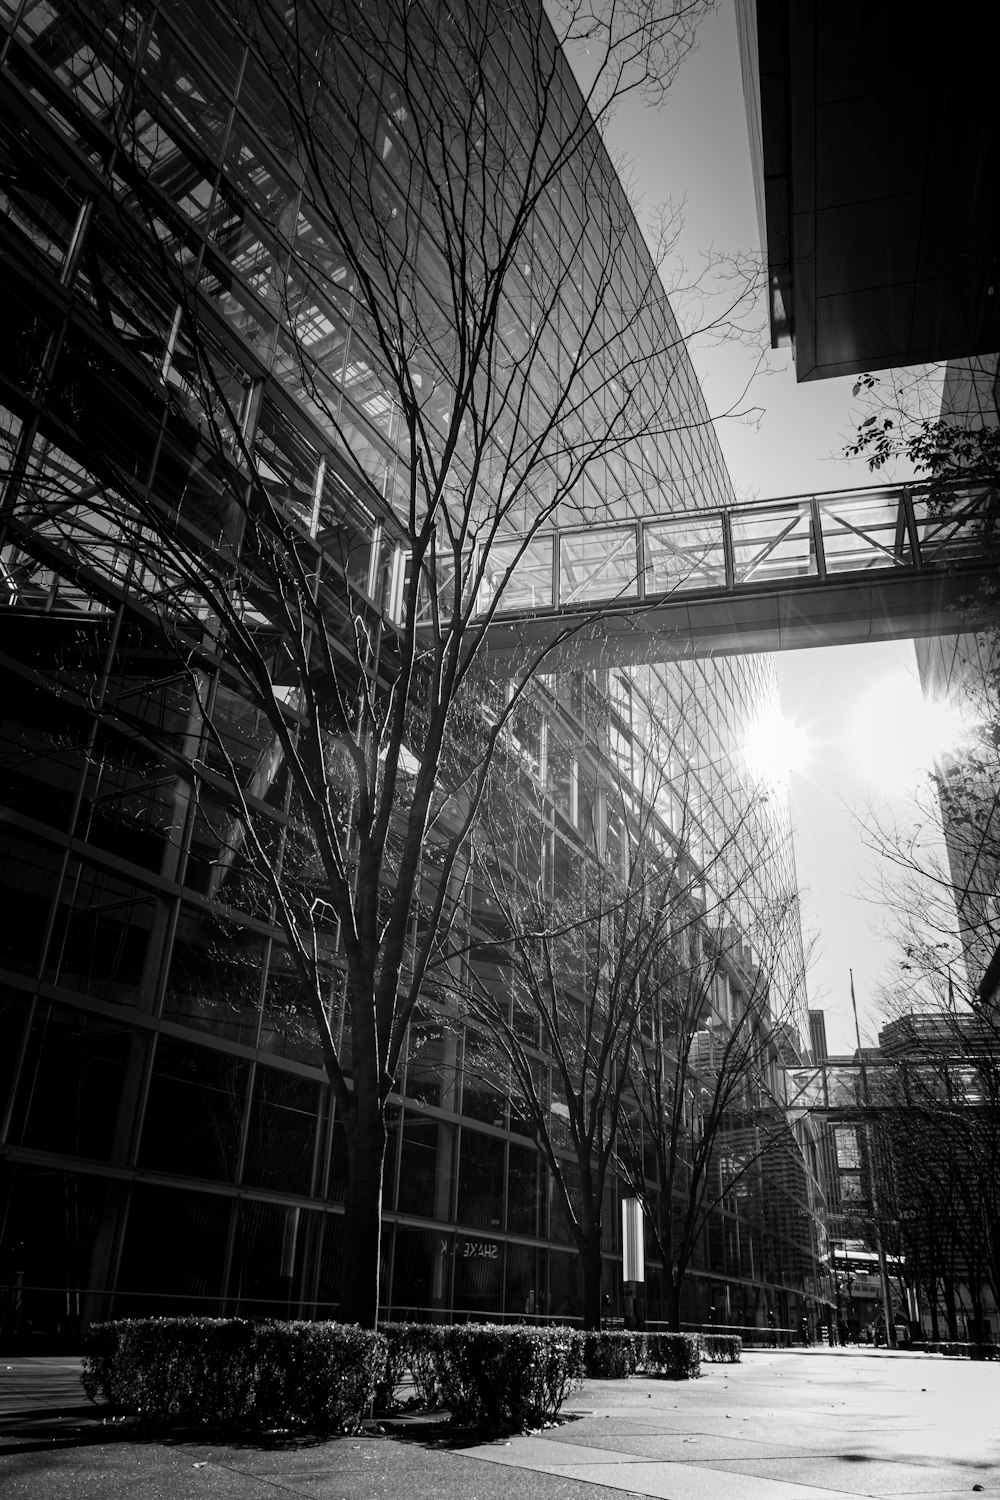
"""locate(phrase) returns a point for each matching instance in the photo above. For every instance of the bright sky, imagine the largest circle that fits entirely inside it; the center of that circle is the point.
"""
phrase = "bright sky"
(696, 149)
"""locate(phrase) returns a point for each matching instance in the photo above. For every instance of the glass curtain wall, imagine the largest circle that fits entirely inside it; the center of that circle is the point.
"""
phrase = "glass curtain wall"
(153, 1060)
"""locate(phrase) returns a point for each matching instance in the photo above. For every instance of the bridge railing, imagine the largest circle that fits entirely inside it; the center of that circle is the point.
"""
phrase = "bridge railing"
(805, 537)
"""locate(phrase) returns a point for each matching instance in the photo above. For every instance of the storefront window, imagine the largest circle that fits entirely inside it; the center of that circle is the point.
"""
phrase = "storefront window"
(479, 1276)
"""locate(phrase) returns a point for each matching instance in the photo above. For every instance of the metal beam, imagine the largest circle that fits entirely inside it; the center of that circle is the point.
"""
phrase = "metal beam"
(884, 606)
(851, 566)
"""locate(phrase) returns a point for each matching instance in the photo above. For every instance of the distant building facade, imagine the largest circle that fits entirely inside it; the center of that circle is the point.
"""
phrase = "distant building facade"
(912, 1122)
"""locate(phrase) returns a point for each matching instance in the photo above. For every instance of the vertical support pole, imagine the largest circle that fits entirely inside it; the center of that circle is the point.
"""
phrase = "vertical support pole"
(727, 548)
(317, 496)
(910, 519)
(375, 561)
(817, 534)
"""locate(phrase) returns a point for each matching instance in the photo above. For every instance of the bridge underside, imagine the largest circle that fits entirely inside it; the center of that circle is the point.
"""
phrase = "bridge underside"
(877, 606)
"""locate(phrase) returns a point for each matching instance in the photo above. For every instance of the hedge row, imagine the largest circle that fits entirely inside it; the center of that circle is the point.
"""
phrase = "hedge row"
(429, 1353)
(507, 1377)
(677, 1356)
(486, 1375)
(616, 1355)
(322, 1376)
(612, 1355)
(327, 1377)
(722, 1348)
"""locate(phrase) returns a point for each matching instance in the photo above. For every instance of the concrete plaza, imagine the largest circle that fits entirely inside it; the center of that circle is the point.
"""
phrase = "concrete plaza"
(782, 1425)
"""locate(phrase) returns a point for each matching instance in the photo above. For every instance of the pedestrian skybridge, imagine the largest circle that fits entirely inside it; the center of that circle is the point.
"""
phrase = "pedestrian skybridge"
(811, 570)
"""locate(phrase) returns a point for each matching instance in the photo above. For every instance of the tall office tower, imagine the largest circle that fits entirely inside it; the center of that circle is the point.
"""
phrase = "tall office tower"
(236, 251)
(962, 670)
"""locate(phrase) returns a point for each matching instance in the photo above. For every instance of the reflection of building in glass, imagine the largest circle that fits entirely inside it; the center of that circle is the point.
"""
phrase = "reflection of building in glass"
(153, 1065)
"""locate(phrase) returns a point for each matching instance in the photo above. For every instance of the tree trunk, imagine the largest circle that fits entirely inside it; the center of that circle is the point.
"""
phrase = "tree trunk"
(949, 1308)
(359, 1284)
(673, 1276)
(975, 1320)
(591, 1261)
(672, 1301)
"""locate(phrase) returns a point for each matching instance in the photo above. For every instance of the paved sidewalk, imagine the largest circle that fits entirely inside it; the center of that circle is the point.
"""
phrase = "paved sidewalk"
(782, 1425)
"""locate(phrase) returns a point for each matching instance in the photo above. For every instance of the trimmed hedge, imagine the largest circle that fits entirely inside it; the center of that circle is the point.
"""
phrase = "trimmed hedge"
(324, 1377)
(413, 1348)
(488, 1375)
(613, 1354)
(507, 1377)
(397, 1363)
(424, 1341)
(722, 1348)
(675, 1356)
(321, 1376)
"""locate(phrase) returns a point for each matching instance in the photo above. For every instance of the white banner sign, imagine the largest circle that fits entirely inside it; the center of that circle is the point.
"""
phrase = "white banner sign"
(633, 1260)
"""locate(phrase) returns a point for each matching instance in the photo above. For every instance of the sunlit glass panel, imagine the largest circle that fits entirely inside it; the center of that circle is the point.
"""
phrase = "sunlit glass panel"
(772, 545)
(598, 564)
(866, 532)
(684, 554)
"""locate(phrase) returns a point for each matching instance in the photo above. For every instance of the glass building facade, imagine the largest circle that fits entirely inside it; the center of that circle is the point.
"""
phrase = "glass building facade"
(152, 1068)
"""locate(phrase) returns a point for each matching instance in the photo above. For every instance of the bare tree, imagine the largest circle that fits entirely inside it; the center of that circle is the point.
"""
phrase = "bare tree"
(301, 420)
(707, 1063)
(933, 1133)
(939, 1082)
(586, 893)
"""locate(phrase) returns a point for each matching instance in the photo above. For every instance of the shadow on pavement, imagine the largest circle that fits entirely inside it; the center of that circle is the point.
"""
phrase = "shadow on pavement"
(48, 1429)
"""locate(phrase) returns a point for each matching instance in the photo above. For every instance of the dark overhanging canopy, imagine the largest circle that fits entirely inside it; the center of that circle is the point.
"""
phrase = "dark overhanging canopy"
(877, 172)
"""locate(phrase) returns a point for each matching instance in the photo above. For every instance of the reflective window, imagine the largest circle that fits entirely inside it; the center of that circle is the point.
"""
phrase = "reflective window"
(43, 206)
(71, 1082)
(426, 1167)
(481, 1180)
(156, 1277)
(270, 1247)
(479, 1274)
(194, 1112)
(281, 1131)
